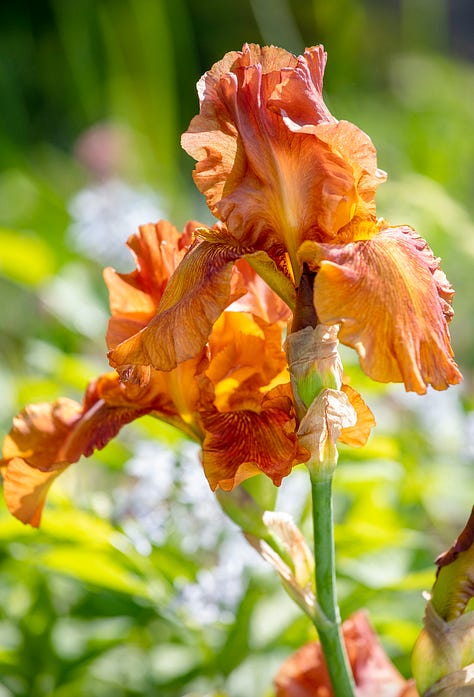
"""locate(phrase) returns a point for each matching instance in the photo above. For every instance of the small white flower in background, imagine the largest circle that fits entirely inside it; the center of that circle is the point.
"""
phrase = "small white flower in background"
(107, 211)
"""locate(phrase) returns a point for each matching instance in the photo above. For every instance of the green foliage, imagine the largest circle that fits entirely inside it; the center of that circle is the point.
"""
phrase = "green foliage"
(105, 600)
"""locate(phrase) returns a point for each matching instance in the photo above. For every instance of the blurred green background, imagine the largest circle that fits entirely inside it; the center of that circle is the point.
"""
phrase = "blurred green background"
(136, 584)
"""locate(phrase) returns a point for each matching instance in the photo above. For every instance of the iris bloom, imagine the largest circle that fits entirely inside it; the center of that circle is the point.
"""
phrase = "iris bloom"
(292, 185)
(233, 396)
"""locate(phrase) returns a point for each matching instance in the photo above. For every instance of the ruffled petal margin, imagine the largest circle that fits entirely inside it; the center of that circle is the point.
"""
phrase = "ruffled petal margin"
(393, 304)
(157, 250)
(358, 435)
(239, 444)
(269, 184)
(197, 293)
(46, 438)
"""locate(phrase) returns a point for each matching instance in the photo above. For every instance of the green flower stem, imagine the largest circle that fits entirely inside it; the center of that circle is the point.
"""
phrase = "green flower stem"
(330, 635)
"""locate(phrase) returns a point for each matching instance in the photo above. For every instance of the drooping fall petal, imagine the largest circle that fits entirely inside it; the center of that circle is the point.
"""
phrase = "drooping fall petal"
(197, 293)
(269, 184)
(305, 674)
(40, 433)
(34, 454)
(393, 304)
(25, 489)
(46, 438)
(244, 442)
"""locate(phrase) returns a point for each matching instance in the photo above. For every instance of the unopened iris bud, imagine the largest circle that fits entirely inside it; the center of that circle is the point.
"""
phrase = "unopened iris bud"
(444, 651)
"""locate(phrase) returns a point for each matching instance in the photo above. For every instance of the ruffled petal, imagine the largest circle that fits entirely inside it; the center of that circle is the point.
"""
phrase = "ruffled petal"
(246, 356)
(110, 404)
(46, 438)
(195, 296)
(40, 432)
(25, 489)
(134, 297)
(239, 444)
(298, 99)
(269, 184)
(357, 436)
(299, 95)
(49, 435)
(393, 304)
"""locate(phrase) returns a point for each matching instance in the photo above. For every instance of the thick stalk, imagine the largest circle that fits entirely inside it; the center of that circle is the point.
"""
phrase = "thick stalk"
(331, 635)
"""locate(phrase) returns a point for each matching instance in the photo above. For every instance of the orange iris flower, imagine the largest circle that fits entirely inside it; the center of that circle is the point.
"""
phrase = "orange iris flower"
(291, 185)
(233, 396)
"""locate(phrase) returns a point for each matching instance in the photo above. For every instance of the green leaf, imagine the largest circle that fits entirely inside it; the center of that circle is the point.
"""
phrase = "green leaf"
(25, 258)
(95, 567)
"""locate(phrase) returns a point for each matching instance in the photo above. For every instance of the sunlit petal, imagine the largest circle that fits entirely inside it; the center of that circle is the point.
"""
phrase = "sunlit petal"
(40, 431)
(299, 95)
(46, 438)
(269, 184)
(195, 296)
(393, 304)
(298, 98)
(246, 357)
(134, 297)
(25, 489)
(239, 444)
(357, 436)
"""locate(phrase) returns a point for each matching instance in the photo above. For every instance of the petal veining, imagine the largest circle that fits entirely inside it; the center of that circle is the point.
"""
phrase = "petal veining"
(393, 304)
(241, 443)
(269, 184)
(196, 294)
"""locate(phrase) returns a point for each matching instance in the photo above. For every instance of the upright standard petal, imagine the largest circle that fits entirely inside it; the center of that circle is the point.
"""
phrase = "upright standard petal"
(269, 184)
(298, 99)
(393, 304)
